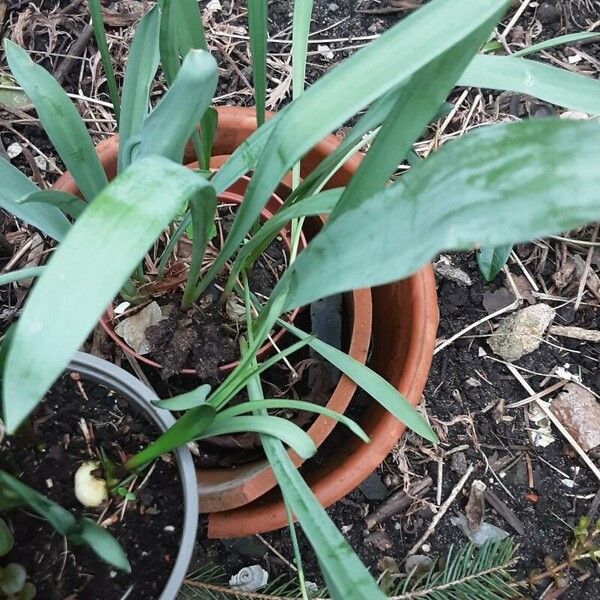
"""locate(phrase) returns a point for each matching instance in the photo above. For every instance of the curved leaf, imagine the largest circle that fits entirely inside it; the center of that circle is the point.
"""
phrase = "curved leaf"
(279, 403)
(185, 401)
(50, 221)
(498, 185)
(60, 119)
(63, 201)
(355, 83)
(84, 274)
(188, 97)
(282, 429)
(558, 86)
(142, 65)
(370, 381)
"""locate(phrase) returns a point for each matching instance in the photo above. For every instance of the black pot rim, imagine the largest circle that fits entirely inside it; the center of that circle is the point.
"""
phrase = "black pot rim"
(105, 373)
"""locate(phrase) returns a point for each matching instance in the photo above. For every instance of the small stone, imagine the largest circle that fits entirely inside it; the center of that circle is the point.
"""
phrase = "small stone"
(41, 163)
(473, 382)
(325, 51)
(482, 534)
(333, 7)
(391, 480)
(548, 12)
(520, 333)
(579, 412)
(419, 563)
(133, 329)
(446, 270)
(14, 150)
(458, 463)
(169, 529)
(373, 487)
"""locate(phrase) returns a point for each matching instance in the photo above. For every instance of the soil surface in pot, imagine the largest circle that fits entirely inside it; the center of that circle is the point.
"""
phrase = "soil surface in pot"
(76, 418)
(206, 337)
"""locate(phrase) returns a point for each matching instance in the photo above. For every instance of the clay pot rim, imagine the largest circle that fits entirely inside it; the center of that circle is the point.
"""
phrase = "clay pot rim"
(140, 396)
(354, 462)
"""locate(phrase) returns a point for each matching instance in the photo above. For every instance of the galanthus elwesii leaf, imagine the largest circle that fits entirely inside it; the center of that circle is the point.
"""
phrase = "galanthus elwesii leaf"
(399, 53)
(142, 65)
(257, 25)
(166, 131)
(67, 203)
(354, 581)
(374, 384)
(83, 531)
(15, 186)
(492, 259)
(185, 401)
(86, 272)
(415, 105)
(60, 119)
(498, 185)
(558, 86)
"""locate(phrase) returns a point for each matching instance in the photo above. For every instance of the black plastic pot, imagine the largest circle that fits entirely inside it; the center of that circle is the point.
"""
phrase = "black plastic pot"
(131, 389)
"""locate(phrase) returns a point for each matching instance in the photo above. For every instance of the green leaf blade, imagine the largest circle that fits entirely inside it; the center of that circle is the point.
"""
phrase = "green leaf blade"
(60, 119)
(110, 239)
(492, 260)
(142, 65)
(499, 185)
(15, 186)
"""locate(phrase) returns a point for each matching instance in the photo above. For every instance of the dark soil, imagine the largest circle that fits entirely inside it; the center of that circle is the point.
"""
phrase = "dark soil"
(206, 337)
(46, 454)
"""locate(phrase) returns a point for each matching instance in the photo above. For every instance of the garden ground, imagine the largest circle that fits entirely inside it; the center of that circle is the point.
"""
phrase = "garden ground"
(480, 406)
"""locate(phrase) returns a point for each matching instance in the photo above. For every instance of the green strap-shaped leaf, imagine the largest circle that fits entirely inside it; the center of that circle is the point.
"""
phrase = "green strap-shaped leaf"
(63, 201)
(415, 105)
(102, 543)
(558, 86)
(86, 272)
(188, 427)
(491, 260)
(168, 128)
(321, 204)
(185, 401)
(560, 40)
(257, 24)
(365, 76)
(95, 9)
(336, 557)
(60, 119)
(279, 404)
(21, 274)
(80, 532)
(282, 429)
(15, 186)
(141, 69)
(498, 185)
(373, 383)
(203, 215)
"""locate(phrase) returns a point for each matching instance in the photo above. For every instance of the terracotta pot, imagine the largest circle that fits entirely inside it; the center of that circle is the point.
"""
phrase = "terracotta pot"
(404, 329)
(227, 489)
